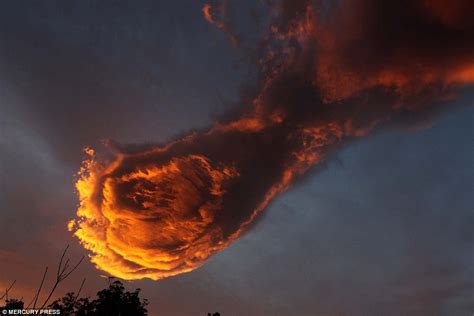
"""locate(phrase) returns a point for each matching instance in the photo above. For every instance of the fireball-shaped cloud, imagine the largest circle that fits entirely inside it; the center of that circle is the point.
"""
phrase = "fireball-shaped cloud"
(326, 77)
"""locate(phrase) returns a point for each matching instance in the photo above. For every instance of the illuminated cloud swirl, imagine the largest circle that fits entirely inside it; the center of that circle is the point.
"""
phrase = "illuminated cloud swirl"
(326, 78)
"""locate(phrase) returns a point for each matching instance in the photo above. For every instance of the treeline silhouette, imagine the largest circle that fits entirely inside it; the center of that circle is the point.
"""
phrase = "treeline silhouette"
(112, 301)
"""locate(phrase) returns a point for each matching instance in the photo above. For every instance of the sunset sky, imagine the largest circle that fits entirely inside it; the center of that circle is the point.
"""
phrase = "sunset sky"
(383, 226)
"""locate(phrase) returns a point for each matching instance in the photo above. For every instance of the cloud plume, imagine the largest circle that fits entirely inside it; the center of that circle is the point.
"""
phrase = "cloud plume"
(328, 74)
(215, 14)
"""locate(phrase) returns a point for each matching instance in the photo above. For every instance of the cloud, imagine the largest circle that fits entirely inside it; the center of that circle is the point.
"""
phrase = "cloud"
(215, 14)
(326, 79)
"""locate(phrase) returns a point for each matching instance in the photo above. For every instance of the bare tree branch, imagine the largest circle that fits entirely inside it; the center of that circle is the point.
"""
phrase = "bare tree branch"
(61, 260)
(7, 290)
(62, 273)
(79, 291)
(35, 298)
(73, 268)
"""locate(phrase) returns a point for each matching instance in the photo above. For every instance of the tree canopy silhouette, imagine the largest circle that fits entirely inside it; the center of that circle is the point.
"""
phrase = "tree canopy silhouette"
(12, 304)
(113, 301)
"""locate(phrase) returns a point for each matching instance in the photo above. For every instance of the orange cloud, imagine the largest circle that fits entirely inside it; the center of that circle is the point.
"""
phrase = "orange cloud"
(326, 78)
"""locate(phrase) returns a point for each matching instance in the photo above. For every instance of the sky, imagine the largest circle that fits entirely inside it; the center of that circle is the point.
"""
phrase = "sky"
(383, 227)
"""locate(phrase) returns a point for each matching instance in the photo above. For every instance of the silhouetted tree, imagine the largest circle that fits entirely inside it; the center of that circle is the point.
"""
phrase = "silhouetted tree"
(70, 305)
(12, 304)
(64, 270)
(113, 301)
